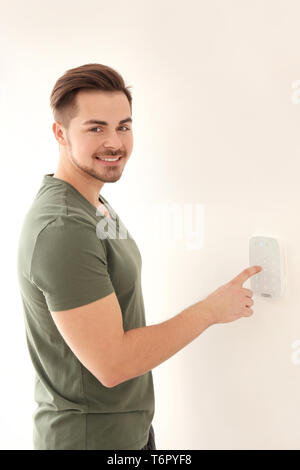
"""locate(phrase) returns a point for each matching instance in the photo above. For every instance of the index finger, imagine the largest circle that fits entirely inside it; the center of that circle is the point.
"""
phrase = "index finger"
(246, 273)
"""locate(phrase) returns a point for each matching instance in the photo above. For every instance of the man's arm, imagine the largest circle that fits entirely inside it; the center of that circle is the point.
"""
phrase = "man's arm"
(94, 331)
(146, 347)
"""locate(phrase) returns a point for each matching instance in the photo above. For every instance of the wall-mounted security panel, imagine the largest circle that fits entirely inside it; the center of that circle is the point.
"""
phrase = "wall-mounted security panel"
(268, 253)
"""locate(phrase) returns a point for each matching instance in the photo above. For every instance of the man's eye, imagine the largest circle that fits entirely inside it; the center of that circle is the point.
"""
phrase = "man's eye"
(93, 129)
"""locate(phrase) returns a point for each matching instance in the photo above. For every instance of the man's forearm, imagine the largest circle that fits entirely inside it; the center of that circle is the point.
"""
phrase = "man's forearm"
(146, 347)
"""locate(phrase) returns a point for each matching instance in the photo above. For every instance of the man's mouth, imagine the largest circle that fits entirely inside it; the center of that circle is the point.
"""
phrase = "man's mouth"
(110, 158)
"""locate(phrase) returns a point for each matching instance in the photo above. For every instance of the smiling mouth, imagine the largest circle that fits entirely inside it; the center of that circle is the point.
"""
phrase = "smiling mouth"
(110, 163)
(109, 158)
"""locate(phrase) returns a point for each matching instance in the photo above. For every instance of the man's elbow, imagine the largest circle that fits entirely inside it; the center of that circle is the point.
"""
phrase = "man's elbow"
(111, 384)
(114, 381)
(114, 378)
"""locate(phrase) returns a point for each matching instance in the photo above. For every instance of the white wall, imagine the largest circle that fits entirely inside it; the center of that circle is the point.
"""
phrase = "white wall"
(215, 123)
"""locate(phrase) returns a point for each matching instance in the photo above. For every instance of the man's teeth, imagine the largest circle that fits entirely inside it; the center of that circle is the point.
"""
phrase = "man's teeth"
(108, 159)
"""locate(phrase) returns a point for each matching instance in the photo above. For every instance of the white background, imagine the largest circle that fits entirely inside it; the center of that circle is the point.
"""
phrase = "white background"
(215, 123)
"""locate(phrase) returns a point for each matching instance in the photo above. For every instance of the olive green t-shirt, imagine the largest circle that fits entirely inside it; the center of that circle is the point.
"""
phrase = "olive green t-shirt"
(69, 255)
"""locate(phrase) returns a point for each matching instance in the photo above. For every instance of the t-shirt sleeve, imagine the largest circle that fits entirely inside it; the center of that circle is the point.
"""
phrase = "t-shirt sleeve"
(69, 265)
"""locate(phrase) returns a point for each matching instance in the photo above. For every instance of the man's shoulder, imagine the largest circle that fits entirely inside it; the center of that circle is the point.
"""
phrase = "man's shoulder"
(53, 227)
(65, 228)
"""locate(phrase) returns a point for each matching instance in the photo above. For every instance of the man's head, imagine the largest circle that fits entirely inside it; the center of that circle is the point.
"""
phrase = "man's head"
(92, 92)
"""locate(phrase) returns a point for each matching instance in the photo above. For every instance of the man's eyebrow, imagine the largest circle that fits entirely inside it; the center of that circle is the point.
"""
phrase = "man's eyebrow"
(104, 123)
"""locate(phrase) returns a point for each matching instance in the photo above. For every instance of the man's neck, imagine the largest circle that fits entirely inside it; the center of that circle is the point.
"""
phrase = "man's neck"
(83, 185)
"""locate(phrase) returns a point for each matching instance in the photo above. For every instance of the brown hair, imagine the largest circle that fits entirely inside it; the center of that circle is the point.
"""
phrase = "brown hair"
(88, 76)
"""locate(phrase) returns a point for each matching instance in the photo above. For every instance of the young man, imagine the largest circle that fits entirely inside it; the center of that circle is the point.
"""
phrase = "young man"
(80, 280)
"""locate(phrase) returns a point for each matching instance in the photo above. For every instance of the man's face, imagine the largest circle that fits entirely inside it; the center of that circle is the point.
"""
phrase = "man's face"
(84, 142)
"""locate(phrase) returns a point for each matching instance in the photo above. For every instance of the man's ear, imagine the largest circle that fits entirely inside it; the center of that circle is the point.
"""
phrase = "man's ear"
(58, 132)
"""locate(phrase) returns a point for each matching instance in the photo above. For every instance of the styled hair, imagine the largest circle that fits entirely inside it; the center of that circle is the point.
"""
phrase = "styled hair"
(88, 76)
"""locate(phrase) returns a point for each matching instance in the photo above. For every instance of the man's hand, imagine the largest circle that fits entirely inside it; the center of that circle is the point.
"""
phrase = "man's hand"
(232, 301)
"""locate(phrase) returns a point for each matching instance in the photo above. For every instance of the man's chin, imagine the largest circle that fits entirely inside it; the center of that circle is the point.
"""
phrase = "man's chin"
(106, 178)
(111, 179)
